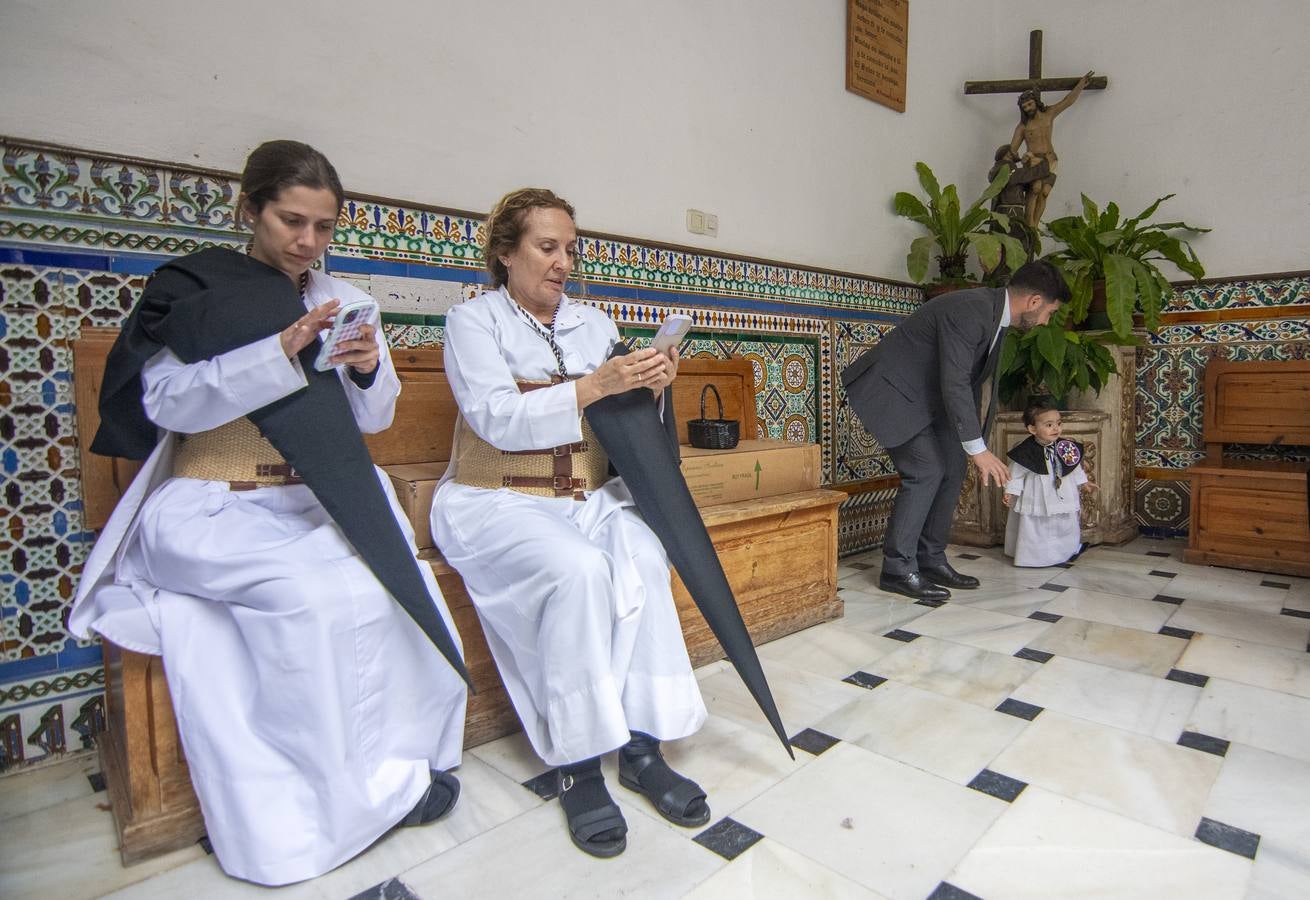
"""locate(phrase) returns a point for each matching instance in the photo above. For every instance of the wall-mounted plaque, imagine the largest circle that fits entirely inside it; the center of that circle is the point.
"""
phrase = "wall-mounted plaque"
(876, 40)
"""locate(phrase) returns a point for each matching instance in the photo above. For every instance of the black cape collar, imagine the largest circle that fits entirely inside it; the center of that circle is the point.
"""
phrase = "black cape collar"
(210, 302)
(1032, 456)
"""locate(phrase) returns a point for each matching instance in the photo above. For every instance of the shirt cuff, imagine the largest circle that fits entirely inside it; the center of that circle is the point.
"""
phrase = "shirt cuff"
(363, 380)
(974, 447)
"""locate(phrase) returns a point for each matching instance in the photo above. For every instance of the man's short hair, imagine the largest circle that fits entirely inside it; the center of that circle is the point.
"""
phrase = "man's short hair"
(1040, 277)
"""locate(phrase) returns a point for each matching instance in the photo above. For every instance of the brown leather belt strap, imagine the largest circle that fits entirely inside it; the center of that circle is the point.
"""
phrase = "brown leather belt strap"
(255, 485)
(561, 450)
(564, 485)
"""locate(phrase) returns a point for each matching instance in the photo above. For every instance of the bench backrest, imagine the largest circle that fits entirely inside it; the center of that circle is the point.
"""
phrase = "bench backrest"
(1256, 402)
(425, 413)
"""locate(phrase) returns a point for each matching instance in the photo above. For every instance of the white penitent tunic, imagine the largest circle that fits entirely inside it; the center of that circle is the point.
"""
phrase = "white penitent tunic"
(574, 597)
(1043, 528)
(311, 706)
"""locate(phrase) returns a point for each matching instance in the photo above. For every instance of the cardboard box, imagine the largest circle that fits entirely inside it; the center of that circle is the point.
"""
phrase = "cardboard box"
(414, 484)
(750, 470)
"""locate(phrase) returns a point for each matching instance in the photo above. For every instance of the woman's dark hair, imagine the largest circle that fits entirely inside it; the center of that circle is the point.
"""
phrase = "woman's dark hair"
(505, 226)
(1033, 410)
(1041, 277)
(274, 166)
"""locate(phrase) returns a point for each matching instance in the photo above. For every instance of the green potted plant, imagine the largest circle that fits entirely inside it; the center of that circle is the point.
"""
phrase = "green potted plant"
(1053, 359)
(1121, 255)
(953, 230)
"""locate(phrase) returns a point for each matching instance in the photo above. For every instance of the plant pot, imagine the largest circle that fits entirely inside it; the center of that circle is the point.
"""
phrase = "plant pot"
(945, 287)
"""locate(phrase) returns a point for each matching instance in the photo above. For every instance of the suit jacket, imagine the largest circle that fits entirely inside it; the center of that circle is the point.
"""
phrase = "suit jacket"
(930, 368)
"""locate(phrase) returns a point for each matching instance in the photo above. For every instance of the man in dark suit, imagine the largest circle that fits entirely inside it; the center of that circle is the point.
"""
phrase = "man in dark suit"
(919, 392)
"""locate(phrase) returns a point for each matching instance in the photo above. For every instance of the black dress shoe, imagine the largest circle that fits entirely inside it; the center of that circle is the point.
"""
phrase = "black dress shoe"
(945, 576)
(912, 585)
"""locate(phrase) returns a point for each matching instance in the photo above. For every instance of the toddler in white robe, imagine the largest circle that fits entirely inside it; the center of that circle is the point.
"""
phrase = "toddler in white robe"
(1042, 494)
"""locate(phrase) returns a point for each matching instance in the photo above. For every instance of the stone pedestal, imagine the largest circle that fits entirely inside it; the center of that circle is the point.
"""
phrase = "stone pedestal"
(1105, 425)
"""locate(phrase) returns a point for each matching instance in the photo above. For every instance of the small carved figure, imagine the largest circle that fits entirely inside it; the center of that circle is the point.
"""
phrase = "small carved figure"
(1034, 132)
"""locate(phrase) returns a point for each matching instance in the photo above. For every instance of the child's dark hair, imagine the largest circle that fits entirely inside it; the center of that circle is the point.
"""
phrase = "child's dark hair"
(1035, 409)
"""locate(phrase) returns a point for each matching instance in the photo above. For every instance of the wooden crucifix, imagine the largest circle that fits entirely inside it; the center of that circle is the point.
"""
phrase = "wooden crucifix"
(1035, 121)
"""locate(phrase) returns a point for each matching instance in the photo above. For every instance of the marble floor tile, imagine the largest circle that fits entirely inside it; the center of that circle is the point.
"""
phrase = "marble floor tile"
(1049, 846)
(512, 756)
(733, 764)
(487, 800)
(802, 698)
(831, 650)
(1228, 593)
(994, 571)
(1259, 665)
(771, 871)
(658, 863)
(1243, 624)
(980, 628)
(877, 613)
(1013, 600)
(882, 824)
(940, 735)
(1142, 778)
(1110, 609)
(1269, 720)
(1268, 794)
(954, 670)
(70, 850)
(1113, 646)
(1138, 703)
(1111, 580)
(26, 791)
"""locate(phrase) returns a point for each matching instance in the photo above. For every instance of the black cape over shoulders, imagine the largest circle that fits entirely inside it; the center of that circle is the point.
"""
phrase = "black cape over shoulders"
(1032, 456)
(205, 304)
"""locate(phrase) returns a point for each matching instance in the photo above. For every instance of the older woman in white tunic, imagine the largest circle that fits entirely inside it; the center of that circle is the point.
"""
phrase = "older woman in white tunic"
(314, 713)
(571, 586)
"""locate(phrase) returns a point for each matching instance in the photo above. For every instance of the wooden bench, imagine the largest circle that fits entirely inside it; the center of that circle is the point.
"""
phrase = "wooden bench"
(1252, 513)
(780, 555)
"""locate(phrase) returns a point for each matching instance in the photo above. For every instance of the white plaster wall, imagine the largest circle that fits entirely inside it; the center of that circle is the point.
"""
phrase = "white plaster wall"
(636, 110)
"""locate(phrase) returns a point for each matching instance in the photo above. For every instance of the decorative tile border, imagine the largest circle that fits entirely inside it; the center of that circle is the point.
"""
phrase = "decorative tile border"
(1291, 291)
(50, 715)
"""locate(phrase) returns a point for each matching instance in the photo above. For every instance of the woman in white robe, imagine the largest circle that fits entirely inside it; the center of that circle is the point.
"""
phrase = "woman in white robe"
(314, 712)
(573, 591)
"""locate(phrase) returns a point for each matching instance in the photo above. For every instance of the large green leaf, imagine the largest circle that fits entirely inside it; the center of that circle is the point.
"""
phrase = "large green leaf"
(1091, 215)
(1051, 344)
(988, 247)
(916, 262)
(929, 182)
(1120, 292)
(911, 207)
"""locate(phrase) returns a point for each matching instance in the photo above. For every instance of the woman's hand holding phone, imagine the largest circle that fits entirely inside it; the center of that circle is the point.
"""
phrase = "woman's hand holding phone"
(302, 332)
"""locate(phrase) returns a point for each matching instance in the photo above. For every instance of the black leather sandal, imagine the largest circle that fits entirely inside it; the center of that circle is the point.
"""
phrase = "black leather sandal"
(675, 797)
(436, 801)
(591, 814)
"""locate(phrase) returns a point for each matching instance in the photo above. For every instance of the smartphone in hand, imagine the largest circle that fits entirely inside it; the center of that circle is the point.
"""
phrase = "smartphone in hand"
(346, 326)
(673, 329)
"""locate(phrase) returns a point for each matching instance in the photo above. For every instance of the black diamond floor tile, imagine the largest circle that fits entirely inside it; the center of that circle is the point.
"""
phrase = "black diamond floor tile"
(1057, 588)
(1019, 709)
(1165, 598)
(1157, 553)
(97, 780)
(1040, 656)
(1044, 616)
(1170, 631)
(994, 784)
(545, 785)
(1203, 742)
(864, 680)
(899, 634)
(813, 742)
(728, 838)
(1187, 677)
(1276, 584)
(968, 556)
(1158, 573)
(948, 891)
(1295, 613)
(860, 566)
(393, 889)
(1226, 837)
(205, 845)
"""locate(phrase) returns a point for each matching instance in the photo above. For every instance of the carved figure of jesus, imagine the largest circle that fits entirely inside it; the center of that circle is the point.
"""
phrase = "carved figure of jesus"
(1034, 132)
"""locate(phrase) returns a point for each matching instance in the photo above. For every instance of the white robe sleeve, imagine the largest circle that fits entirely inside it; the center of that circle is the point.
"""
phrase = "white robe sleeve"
(1017, 475)
(374, 406)
(489, 400)
(192, 397)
